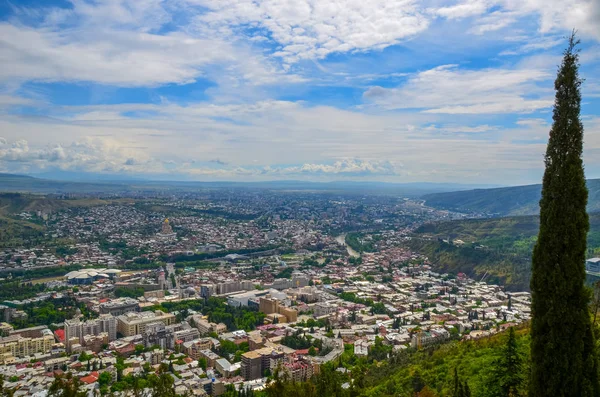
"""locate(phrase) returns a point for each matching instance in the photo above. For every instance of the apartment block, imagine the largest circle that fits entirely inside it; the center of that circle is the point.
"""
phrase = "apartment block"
(106, 323)
(121, 306)
(256, 362)
(194, 347)
(19, 346)
(210, 356)
(270, 305)
(130, 324)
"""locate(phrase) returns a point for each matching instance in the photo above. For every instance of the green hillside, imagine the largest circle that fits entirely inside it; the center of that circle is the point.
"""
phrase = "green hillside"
(516, 200)
(22, 183)
(499, 248)
(428, 373)
(475, 362)
(16, 231)
(14, 203)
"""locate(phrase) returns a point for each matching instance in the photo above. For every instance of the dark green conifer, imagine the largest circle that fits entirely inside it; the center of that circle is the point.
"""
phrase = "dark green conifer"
(563, 360)
(467, 390)
(456, 383)
(508, 370)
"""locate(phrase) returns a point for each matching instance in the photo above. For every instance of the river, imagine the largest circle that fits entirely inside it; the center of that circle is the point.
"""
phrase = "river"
(341, 239)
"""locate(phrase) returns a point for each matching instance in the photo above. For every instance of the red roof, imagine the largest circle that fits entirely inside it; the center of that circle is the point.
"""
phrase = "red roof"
(304, 352)
(60, 334)
(91, 378)
(126, 349)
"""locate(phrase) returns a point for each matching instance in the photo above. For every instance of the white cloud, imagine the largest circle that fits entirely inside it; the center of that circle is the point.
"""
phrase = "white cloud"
(123, 58)
(456, 129)
(583, 15)
(277, 140)
(494, 21)
(348, 166)
(463, 10)
(88, 154)
(552, 15)
(142, 15)
(10, 100)
(17, 151)
(536, 44)
(311, 29)
(342, 168)
(449, 89)
(155, 42)
(451, 123)
(118, 42)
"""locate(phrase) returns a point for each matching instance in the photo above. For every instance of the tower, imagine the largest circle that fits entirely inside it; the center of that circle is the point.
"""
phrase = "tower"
(166, 227)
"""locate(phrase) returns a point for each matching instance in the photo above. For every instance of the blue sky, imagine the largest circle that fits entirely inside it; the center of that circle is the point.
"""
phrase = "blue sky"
(399, 91)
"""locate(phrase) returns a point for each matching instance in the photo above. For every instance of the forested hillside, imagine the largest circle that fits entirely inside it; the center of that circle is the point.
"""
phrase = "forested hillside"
(516, 200)
(18, 231)
(436, 371)
(499, 248)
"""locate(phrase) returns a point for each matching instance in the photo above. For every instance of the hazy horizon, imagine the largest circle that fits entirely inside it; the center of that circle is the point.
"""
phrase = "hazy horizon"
(123, 178)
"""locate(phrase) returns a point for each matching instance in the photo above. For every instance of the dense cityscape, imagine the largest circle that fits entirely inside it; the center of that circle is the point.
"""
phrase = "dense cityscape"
(299, 198)
(225, 289)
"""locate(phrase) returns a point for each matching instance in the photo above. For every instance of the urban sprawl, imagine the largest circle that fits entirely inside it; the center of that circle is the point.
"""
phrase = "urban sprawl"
(228, 288)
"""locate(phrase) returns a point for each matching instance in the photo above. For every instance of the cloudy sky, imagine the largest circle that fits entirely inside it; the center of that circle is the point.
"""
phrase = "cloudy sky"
(386, 90)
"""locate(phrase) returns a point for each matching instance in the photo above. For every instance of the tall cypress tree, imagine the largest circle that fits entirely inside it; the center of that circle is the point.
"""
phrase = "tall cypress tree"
(563, 360)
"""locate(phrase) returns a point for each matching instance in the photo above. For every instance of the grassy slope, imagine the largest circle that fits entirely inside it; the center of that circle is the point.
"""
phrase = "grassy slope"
(474, 361)
(21, 183)
(508, 243)
(15, 231)
(13, 203)
(517, 200)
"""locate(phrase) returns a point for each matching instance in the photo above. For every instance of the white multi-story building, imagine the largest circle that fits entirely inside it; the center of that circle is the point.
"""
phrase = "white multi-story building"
(228, 287)
(130, 324)
(323, 309)
(19, 346)
(106, 323)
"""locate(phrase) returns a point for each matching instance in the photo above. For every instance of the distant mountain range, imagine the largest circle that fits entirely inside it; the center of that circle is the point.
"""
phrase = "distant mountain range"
(22, 183)
(485, 200)
(504, 201)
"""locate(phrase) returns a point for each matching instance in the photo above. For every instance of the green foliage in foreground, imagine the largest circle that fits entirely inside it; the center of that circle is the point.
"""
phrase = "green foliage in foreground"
(477, 363)
(490, 367)
(151, 384)
(559, 299)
